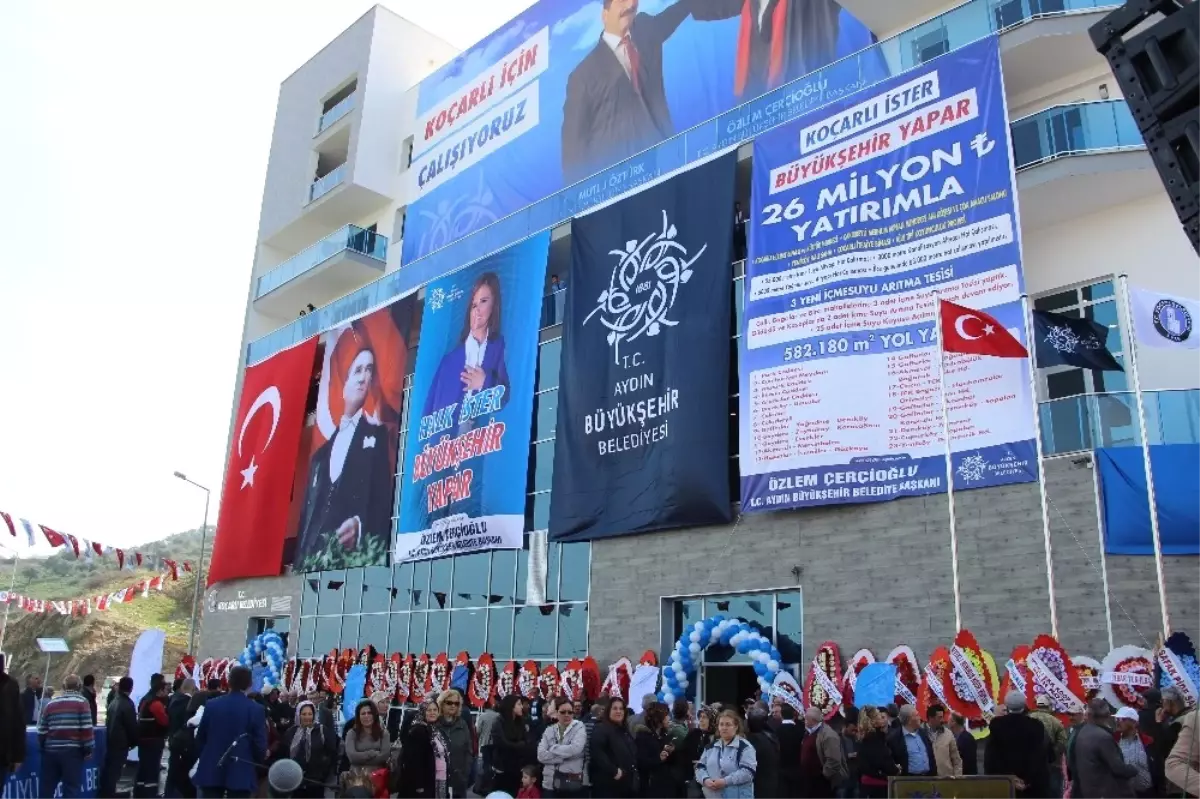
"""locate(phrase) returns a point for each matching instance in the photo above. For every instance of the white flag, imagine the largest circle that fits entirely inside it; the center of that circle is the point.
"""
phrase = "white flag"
(1163, 320)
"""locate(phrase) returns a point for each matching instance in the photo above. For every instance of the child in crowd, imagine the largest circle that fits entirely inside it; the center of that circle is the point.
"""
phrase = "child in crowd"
(529, 784)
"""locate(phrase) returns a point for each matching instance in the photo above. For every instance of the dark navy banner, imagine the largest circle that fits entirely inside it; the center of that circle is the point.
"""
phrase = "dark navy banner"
(643, 414)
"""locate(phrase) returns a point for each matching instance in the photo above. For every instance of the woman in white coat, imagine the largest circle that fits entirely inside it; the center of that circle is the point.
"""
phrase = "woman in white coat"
(561, 752)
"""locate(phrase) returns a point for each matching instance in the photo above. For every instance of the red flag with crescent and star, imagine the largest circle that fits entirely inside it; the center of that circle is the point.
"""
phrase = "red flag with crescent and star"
(971, 332)
(262, 461)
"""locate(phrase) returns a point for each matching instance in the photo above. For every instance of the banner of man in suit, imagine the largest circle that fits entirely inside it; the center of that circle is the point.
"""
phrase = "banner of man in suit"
(642, 441)
(572, 87)
(344, 490)
(467, 448)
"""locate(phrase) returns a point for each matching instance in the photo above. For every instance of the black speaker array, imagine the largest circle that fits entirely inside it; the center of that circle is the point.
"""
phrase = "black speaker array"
(1152, 48)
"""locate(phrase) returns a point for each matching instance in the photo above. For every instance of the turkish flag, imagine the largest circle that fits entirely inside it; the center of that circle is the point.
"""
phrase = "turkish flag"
(262, 462)
(971, 332)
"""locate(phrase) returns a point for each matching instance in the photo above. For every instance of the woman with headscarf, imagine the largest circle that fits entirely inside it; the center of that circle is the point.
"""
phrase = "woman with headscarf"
(456, 730)
(698, 739)
(423, 756)
(512, 749)
(305, 743)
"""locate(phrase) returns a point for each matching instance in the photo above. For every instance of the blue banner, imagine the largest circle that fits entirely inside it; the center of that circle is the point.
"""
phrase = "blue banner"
(642, 441)
(1125, 500)
(467, 453)
(26, 781)
(569, 88)
(860, 213)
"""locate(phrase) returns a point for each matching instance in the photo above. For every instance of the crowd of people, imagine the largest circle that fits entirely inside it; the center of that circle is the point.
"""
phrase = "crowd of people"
(225, 743)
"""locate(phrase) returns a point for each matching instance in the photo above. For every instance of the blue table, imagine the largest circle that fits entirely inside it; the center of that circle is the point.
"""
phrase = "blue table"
(25, 784)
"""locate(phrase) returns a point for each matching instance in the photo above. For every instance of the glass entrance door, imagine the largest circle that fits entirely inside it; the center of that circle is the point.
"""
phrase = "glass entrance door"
(728, 684)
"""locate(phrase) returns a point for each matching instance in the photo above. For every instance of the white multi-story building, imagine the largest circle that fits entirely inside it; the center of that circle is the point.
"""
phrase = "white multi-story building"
(1092, 209)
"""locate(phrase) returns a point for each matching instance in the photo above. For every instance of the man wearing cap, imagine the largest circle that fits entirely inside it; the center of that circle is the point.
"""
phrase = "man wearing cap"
(1101, 769)
(1056, 736)
(1135, 750)
(1017, 745)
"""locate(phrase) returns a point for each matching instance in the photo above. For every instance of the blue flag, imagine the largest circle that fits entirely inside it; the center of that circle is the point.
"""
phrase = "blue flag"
(876, 685)
(1072, 341)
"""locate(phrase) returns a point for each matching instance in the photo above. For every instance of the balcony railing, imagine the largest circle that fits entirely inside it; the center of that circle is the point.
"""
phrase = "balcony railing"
(351, 237)
(1063, 130)
(911, 48)
(1091, 421)
(323, 185)
(344, 106)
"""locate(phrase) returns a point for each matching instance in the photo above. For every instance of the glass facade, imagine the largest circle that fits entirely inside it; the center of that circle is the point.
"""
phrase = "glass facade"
(473, 603)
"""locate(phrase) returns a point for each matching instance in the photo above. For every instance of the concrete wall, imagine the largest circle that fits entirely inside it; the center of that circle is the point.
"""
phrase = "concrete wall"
(878, 575)
(223, 630)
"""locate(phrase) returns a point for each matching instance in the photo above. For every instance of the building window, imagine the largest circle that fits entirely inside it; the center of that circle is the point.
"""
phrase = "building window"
(470, 603)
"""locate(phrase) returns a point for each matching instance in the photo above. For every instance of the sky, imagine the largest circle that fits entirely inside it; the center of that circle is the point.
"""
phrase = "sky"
(138, 134)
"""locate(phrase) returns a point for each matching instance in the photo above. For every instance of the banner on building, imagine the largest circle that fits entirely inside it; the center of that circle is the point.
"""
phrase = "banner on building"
(467, 453)
(346, 478)
(642, 441)
(861, 211)
(1125, 500)
(572, 87)
(262, 455)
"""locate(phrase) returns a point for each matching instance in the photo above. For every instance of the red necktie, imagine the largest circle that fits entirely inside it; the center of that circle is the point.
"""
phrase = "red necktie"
(635, 61)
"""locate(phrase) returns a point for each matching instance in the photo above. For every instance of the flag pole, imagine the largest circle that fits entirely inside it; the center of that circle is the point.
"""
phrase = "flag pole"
(1103, 557)
(1151, 497)
(1037, 443)
(941, 348)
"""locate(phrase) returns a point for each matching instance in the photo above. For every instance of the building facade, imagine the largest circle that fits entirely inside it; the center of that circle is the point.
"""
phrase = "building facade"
(1092, 209)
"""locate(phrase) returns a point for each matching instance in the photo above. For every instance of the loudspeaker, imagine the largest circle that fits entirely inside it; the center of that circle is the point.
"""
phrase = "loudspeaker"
(1157, 65)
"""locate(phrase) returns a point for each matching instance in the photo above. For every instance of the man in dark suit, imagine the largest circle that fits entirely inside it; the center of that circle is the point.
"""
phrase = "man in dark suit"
(616, 103)
(231, 739)
(791, 737)
(778, 40)
(349, 488)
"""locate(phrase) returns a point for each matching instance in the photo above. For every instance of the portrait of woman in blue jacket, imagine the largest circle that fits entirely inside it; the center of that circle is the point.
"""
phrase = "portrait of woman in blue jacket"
(476, 363)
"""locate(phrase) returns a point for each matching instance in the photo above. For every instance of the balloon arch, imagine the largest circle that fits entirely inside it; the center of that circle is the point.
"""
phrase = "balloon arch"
(682, 662)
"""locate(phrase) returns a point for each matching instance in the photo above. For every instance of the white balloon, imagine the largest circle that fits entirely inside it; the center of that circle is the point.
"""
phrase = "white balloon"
(698, 626)
(695, 648)
(772, 665)
(694, 638)
(683, 682)
(669, 698)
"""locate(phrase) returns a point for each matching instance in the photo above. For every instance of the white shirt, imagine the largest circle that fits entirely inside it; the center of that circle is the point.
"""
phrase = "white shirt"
(475, 351)
(620, 51)
(762, 11)
(341, 445)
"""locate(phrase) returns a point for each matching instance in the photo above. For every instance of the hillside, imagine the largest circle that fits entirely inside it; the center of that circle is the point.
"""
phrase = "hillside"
(101, 642)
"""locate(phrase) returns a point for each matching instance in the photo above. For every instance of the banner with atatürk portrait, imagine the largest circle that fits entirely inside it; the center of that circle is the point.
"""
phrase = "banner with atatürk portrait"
(643, 414)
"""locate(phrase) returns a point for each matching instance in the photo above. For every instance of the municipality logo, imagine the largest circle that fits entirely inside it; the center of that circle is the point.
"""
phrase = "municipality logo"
(1172, 320)
(437, 298)
(972, 468)
(1065, 340)
(643, 286)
